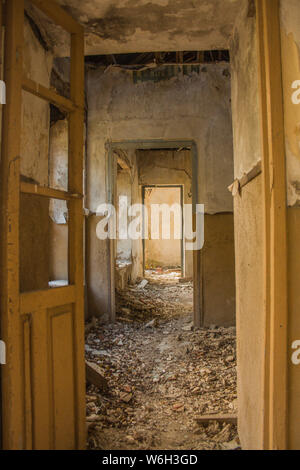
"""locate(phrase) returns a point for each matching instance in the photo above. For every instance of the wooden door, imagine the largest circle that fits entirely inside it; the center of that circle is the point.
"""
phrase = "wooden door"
(43, 383)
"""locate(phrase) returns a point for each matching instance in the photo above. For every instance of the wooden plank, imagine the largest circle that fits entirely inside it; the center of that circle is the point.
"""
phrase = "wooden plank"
(205, 419)
(275, 213)
(47, 94)
(34, 189)
(34, 301)
(58, 15)
(94, 376)
(12, 376)
(76, 220)
(41, 381)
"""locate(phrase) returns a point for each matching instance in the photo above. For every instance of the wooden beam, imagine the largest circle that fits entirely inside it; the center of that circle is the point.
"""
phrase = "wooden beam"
(48, 95)
(275, 354)
(58, 15)
(94, 376)
(12, 374)
(28, 188)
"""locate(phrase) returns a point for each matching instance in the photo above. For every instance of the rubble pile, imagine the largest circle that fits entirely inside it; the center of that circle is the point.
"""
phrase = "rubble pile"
(161, 375)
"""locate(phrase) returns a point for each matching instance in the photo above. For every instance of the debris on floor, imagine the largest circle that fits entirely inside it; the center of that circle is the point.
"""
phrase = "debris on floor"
(162, 375)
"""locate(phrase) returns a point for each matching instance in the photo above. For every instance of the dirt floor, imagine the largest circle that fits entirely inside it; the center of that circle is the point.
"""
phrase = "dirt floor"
(162, 375)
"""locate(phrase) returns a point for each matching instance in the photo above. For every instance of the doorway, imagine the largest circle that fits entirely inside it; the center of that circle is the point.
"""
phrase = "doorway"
(164, 252)
(130, 153)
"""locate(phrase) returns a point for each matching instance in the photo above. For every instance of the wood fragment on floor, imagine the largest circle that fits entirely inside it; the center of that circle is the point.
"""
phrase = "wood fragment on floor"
(94, 376)
(231, 419)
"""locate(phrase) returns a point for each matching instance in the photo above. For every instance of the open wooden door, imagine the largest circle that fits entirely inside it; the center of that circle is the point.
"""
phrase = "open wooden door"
(43, 383)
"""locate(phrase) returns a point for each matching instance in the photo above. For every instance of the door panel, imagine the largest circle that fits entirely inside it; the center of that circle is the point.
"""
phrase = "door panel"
(43, 386)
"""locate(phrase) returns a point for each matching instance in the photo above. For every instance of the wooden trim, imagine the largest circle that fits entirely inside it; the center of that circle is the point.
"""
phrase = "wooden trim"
(58, 15)
(246, 179)
(12, 377)
(31, 302)
(275, 237)
(48, 95)
(28, 188)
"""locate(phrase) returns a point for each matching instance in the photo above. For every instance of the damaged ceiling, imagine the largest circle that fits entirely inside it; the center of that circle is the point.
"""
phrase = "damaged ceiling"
(127, 26)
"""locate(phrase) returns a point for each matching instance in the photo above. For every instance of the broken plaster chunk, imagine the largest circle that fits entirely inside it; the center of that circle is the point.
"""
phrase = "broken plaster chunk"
(143, 284)
(189, 327)
(151, 324)
(126, 397)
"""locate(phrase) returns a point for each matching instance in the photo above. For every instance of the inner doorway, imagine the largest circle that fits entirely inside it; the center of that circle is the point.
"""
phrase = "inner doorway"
(166, 250)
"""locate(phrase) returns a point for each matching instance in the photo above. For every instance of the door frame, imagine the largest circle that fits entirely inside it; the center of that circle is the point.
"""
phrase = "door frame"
(111, 165)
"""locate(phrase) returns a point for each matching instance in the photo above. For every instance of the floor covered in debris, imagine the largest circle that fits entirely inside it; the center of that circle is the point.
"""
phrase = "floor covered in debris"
(162, 375)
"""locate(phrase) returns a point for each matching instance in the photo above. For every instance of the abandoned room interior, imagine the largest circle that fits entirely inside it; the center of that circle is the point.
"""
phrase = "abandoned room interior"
(145, 343)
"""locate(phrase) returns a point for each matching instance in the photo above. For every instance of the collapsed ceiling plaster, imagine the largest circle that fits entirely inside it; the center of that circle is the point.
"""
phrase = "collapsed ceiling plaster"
(124, 26)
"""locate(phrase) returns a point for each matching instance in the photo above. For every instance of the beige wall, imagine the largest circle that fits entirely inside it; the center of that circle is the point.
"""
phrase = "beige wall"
(163, 253)
(250, 318)
(218, 271)
(248, 231)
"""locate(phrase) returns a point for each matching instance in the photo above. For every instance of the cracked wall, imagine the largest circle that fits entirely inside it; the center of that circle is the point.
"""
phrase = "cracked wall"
(123, 26)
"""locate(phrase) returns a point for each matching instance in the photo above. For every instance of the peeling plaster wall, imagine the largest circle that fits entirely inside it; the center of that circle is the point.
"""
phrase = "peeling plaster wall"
(123, 26)
(290, 34)
(245, 102)
(248, 231)
(195, 107)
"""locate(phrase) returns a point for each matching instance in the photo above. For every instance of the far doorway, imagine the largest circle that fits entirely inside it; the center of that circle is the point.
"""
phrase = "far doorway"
(163, 247)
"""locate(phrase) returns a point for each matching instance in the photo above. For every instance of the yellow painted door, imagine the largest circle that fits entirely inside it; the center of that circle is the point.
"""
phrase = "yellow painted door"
(43, 382)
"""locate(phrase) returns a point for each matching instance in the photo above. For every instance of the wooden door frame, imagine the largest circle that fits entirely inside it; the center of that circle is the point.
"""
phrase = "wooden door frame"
(150, 144)
(16, 433)
(275, 358)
